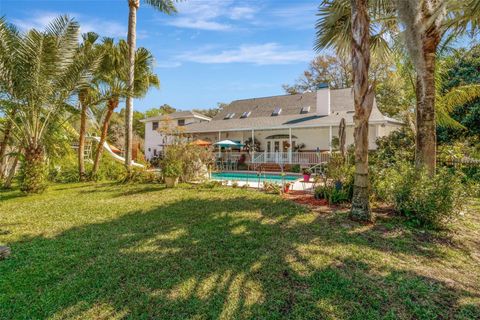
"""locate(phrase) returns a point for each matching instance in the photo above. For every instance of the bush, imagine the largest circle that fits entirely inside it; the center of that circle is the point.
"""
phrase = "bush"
(399, 145)
(271, 187)
(431, 202)
(332, 194)
(140, 175)
(296, 168)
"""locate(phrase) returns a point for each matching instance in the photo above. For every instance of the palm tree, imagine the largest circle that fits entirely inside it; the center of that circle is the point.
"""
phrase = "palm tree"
(166, 6)
(113, 83)
(426, 23)
(86, 96)
(42, 75)
(346, 27)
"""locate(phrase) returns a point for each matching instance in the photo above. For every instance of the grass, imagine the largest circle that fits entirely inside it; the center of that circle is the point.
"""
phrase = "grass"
(108, 251)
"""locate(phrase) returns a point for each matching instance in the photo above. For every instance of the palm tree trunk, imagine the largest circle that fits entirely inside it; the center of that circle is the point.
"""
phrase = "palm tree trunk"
(426, 137)
(4, 144)
(112, 104)
(3, 147)
(81, 140)
(363, 97)
(33, 169)
(133, 5)
(11, 173)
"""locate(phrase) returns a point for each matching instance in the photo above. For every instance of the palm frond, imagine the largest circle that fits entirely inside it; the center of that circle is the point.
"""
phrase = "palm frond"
(165, 6)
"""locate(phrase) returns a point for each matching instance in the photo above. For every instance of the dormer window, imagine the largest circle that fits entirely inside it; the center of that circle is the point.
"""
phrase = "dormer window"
(246, 114)
(305, 110)
(276, 111)
(229, 116)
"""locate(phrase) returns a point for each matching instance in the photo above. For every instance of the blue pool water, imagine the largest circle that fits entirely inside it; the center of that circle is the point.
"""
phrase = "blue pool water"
(245, 176)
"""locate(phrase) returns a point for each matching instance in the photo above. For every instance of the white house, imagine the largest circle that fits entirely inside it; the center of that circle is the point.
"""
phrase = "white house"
(290, 128)
(156, 127)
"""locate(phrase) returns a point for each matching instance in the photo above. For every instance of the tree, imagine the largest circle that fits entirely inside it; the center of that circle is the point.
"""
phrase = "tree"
(334, 70)
(114, 86)
(345, 26)
(40, 73)
(460, 69)
(160, 111)
(166, 6)
(364, 95)
(86, 96)
(425, 24)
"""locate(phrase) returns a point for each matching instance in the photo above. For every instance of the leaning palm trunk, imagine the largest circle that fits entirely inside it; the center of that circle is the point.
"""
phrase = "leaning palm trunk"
(112, 104)
(363, 98)
(81, 140)
(131, 39)
(33, 171)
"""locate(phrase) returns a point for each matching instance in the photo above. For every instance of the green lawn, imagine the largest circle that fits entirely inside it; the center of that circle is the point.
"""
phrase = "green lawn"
(108, 251)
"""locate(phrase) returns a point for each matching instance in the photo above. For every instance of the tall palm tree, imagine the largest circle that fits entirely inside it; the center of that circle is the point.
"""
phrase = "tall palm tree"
(42, 76)
(345, 25)
(113, 83)
(166, 6)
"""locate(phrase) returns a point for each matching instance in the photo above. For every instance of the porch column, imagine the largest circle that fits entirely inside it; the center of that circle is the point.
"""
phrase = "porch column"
(253, 144)
(330, 139)
(219, 147)
(290, 145)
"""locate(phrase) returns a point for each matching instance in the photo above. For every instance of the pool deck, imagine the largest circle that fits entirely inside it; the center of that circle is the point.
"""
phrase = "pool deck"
(297, 185)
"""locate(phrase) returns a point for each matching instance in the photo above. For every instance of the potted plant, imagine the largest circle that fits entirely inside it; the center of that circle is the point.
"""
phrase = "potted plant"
(286, 187)
(171, 170)
(306, 174)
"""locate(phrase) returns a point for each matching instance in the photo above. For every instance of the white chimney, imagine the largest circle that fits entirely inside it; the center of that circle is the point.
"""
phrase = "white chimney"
(323, 100)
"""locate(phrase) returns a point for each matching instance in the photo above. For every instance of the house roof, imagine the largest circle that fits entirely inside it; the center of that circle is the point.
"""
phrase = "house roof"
(341, 106)
(177, 115)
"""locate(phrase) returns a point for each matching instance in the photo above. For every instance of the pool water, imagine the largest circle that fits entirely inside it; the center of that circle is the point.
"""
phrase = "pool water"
(245, 176)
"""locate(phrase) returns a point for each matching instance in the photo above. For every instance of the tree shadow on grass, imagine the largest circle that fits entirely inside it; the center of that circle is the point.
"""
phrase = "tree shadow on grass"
(235, 258)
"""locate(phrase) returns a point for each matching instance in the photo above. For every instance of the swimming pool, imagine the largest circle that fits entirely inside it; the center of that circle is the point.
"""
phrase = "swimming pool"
(246, 176)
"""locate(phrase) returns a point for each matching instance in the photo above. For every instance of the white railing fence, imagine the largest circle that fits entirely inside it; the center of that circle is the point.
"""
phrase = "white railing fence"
(301, 158)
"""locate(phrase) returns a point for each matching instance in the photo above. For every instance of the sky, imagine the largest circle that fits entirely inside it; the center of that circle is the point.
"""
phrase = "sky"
(210, 51)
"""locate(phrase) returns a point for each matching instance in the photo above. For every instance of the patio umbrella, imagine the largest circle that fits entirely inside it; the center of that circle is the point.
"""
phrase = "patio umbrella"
(201, 143)
(228, 144)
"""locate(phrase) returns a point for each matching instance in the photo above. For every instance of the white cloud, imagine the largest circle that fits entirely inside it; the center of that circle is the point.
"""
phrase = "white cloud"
(107, 28)
(260, 54)
(213, 15)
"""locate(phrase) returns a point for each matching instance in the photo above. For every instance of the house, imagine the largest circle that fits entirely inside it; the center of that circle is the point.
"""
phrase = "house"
(157, 128)
(291, 129)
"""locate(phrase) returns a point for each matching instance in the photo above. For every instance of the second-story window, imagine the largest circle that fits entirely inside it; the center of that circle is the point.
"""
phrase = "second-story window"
(155, 125)
(181, 122)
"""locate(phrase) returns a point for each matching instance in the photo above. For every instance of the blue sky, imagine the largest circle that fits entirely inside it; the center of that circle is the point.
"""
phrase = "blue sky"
(211, 51)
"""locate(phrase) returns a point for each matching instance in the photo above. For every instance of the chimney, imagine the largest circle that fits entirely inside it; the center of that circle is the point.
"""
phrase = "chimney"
(323, 99)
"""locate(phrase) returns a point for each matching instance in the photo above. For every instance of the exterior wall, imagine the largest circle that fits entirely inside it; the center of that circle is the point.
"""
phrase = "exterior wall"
(313, 138)
(154, 139)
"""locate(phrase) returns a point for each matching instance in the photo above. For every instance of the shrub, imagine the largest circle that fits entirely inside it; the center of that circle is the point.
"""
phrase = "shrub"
(399, 145)
(431, 202)
(140, 175)
(271, 187)
(332, 194)
(296, 168)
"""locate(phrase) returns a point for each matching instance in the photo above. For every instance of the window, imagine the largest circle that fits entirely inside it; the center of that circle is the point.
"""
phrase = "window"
(181, 122)
(305, 109)
(229, 116)
(277, 111)
(154, 152)
(246, 114)
(155, 125)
